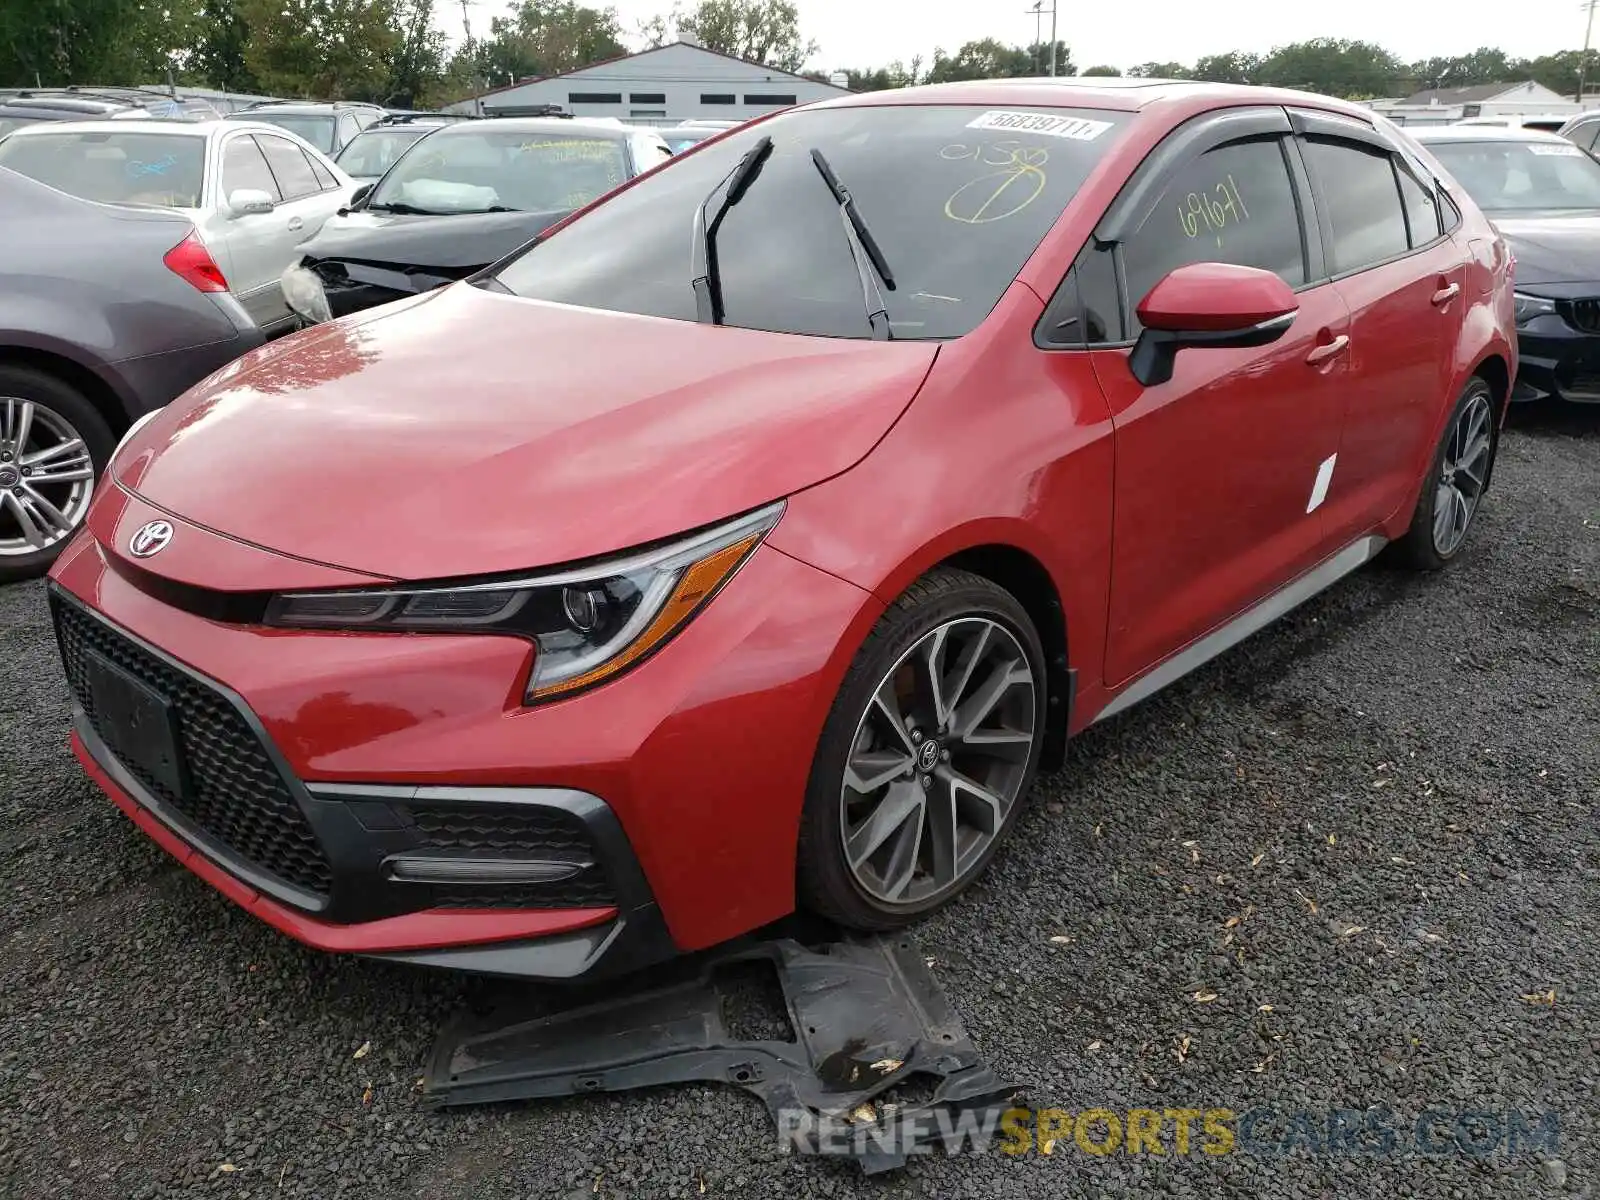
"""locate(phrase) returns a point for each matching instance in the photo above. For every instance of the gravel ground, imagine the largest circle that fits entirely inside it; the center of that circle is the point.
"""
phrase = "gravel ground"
(1394, 791)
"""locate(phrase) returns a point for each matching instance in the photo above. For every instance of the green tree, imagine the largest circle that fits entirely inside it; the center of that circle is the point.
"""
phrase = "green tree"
(92, 41)
(218, 54)
(762, 31)
(1559, 72)
(1233, 67)
(327, 49)
(1333, 67)
(549, 37)
(1161, 70)
(1103, 72)
(986, 59)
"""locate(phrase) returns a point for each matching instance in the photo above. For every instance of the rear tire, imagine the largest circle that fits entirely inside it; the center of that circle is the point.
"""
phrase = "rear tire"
(37, 493)
(1458, 475)
(942, 715)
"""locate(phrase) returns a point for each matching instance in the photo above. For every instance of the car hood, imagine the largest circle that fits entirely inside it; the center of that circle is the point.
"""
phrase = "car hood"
(452, 245)
(464, 432)
(1555, 249)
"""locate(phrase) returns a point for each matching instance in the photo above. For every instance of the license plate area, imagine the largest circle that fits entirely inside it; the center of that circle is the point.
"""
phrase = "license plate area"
(138, 725)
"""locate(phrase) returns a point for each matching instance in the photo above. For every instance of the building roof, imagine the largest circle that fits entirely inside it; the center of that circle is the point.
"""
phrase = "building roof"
(606, 62)
(1471, 95)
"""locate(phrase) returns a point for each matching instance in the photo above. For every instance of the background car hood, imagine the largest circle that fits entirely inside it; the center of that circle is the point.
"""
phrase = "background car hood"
(468, 240)
(1555, 249)
(463, 432)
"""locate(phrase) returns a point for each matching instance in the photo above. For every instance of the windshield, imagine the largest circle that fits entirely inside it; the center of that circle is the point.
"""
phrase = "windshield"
(164, 169)
(481, 170)
(316, 130)
(1506, 176)
(956, 197)
(374, 152)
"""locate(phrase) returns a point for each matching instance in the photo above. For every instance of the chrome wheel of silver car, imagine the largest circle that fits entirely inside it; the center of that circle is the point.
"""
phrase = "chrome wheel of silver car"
(1463, 475)
(46, 477)
(938, 761)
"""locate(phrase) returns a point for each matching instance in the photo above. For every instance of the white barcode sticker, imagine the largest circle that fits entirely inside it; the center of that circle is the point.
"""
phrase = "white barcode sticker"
(1547, 148)
(1078, 128)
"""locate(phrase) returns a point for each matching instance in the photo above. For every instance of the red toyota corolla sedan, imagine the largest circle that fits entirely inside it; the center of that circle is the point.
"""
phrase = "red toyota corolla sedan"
(751, 540)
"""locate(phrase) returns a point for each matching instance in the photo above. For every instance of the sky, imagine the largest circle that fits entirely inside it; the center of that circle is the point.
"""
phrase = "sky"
(870, 33)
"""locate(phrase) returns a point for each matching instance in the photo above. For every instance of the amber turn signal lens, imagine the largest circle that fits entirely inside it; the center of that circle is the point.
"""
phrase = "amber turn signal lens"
(696, 586)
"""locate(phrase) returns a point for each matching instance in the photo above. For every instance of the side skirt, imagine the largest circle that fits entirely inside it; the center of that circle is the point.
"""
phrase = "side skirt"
(1291, 595)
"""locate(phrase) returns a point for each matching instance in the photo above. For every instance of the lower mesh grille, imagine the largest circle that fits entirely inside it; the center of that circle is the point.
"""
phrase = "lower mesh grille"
(237, 795)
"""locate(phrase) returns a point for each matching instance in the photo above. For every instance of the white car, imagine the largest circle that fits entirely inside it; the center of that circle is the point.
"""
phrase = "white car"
(254, 191)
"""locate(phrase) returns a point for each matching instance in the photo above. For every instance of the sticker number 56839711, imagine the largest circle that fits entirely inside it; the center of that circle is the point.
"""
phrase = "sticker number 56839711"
(1078, 128)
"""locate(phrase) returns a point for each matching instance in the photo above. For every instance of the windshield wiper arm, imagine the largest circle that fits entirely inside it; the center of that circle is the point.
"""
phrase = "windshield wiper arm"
(863, 250)
(404, 210)
(707, 277)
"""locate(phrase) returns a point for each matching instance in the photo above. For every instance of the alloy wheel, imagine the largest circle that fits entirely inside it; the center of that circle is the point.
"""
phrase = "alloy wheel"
(937, 762)
(1463, 475)
(46, 477)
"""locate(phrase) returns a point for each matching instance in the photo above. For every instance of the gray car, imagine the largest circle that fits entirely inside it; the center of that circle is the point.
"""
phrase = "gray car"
(106, 313)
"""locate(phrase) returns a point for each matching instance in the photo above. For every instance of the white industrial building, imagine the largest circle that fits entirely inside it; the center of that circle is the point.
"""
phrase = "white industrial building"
(1445, 106)
(679, 82)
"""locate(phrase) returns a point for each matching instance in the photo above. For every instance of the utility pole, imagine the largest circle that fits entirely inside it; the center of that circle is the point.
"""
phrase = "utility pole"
(1583, 63)
(1054, 3)
(1038, 33)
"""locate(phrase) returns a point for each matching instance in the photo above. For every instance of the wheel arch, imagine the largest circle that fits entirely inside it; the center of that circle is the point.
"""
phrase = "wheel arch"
(85, 380)
(1494, 370)
(1026, 578)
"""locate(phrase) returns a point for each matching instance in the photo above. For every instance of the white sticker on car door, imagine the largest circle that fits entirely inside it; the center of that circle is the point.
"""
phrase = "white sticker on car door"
(1319, 489)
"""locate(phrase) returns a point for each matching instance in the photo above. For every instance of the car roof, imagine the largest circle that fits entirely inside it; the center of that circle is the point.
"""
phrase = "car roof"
(1112, 93)
(318, 107)
(537, 125)
(147, 126)
(1483, 133)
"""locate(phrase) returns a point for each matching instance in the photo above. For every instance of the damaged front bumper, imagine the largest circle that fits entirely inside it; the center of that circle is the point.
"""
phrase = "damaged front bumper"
(319, 290)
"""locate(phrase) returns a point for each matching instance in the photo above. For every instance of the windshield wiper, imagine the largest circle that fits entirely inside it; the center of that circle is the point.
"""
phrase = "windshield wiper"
(404, 210)
(863, 249)
(707, 277)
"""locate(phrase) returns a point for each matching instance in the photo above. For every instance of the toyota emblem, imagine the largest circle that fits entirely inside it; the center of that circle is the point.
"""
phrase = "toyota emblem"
(151, 539)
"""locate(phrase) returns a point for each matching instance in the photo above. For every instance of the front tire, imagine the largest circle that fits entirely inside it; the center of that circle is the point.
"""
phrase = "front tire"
(926, 756)
(1458, 475)
(53, 446)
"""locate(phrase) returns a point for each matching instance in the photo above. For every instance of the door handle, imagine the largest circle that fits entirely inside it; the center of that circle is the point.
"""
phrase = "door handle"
(298, 223)
(1446, 294)
(1328, 350)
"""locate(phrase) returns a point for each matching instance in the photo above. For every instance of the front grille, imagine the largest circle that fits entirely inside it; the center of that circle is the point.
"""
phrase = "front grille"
(1582, 315)
(237, 796)
(513, 832)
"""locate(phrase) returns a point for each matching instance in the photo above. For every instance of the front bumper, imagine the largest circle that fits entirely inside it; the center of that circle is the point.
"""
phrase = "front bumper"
(681, 781)
(1557, 362)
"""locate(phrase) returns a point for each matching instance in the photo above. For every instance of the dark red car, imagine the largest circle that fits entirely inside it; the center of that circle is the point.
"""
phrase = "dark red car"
(754, 538)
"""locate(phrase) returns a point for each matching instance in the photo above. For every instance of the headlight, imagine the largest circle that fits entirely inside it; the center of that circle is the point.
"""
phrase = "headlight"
(587, 624)
(1528, 307)
(304, 293)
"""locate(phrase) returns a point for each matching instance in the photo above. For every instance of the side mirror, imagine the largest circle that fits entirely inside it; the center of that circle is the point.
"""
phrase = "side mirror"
(1208, 304)
(359, 197)
(249, 202)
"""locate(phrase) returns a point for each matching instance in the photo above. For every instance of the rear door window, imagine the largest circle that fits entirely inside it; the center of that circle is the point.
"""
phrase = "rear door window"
(289, 165)
(244, 167)
(1362, 200)
(1233, 204)
(1422, 209)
